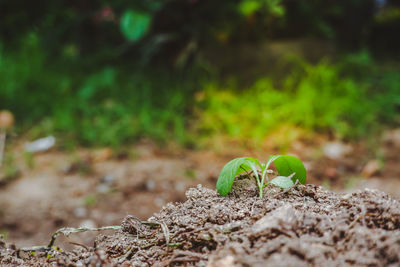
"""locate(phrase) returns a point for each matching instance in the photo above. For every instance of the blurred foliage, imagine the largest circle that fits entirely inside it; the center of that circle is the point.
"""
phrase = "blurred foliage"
(154, 26)
(161, 31)
(105, 106)
(325, 97)
(108, 72)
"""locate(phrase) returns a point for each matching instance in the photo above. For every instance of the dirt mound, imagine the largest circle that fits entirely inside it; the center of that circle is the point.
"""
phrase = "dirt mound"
(305, 226)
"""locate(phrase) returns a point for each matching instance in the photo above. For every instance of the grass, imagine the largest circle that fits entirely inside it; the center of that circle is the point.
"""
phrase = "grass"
(321, 97)
(90, 104)
(97, 106)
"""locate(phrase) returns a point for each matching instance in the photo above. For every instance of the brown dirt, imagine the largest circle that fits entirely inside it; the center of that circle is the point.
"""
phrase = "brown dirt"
(100, 187)
(77, 189)
(306, 226)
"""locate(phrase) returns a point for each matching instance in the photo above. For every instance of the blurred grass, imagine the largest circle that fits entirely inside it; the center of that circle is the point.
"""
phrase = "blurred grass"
(351, 99)
(104, 106)
(109, 105)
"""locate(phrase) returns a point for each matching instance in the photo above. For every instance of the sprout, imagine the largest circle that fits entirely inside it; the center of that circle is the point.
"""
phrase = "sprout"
(290, 169)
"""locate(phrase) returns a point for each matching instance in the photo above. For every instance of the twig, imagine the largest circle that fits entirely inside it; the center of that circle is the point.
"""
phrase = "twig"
(79, 245)
(165, 230)
(180, 233)
(355, 220)
(126, 256)
(178, 253)
(35, 248)
(148, 223)
(286, 190)
(68, 230)
(183, 259)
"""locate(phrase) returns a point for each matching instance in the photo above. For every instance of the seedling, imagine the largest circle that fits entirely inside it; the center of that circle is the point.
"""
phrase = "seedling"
(290, 169)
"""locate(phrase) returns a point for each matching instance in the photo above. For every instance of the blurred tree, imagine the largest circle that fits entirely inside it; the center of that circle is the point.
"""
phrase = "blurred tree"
(173, 30)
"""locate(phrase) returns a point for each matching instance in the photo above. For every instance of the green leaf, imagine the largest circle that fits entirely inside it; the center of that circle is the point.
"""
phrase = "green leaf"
(244, 168)
(287, 165)
(256, 161)
(282, 181)
(272, 159)
(228, 174)
(134, 24)
(253, 166)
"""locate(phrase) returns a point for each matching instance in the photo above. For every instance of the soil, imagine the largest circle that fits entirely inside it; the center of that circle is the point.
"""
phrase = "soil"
(305, 226)
(43, 192)
(87, 188)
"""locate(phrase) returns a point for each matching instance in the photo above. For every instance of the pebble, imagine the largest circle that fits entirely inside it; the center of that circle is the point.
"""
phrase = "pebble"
(180, 187)
(80, 212)
(150, 185)
(371, 168)
(108, 179)
(159, 201)
(331, 172)
(336, 150)
(103, 188)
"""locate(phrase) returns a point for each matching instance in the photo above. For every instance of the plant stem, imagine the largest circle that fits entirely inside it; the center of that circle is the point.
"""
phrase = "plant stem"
(259, 183)
(260, 187)
(263, 176)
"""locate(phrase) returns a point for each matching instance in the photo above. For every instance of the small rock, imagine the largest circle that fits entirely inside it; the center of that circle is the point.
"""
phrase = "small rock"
(159, 201)
(103, 188)
(80, 212)
(150, 185)
(371, 168)
(336, 150)
(331, 173)
(347, 196)
(108, 179)
(40, 145)
(227, 261)
(180, 187)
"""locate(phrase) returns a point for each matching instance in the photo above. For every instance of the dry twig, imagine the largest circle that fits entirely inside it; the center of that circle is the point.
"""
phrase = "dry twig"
(287, 189)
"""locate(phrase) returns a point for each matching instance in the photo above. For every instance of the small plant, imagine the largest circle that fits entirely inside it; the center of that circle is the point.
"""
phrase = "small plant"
(290, 169)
